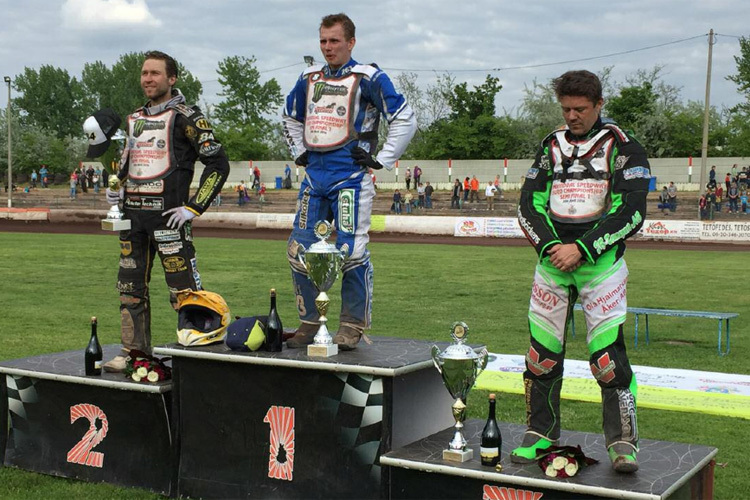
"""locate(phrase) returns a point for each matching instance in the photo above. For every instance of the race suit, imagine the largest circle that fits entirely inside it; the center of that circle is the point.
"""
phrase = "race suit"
(163, 143)
(326, 115)
(590, 191)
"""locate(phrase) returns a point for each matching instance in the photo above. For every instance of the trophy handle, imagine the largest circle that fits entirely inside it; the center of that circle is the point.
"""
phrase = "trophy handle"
(301, 256)
(482, 361)
(435, 352)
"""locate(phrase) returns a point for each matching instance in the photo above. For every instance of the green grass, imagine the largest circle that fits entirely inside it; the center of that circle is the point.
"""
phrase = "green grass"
(52, 284)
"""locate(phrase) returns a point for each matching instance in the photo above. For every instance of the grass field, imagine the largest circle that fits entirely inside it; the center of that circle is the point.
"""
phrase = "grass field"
(53, 284)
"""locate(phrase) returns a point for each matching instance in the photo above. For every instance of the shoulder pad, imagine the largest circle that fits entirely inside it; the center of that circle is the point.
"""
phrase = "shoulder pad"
(312, 69)
(366, 69)
(620, 135)
(186, 110)
(551, 134)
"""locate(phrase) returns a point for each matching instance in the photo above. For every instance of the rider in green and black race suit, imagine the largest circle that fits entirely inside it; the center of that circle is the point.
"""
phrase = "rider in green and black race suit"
(582, 198)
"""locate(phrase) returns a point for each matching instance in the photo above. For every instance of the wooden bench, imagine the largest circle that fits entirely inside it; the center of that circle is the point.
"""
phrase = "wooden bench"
(676, 313)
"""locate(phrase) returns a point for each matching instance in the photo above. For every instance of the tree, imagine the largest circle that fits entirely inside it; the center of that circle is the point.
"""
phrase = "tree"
(51, 99)
(242, 122)
(633, 103)
(471, 104)
(742, 77)
(247, 100)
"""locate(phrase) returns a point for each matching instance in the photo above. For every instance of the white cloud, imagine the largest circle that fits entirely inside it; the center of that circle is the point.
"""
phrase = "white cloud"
(107, 14)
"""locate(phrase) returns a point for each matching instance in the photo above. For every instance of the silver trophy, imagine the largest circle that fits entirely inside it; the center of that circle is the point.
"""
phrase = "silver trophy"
(323, 263)
(459, 365)
(115, 220)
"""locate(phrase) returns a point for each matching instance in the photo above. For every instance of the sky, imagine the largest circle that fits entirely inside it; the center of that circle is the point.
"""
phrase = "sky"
(518, 42)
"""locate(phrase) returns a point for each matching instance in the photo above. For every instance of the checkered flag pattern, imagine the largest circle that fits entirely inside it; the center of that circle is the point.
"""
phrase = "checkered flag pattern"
(357, 403)
(21, 393)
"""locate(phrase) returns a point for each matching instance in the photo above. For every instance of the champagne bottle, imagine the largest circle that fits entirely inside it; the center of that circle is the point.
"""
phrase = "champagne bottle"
(492, 441)
(93, 353)
(274, 329)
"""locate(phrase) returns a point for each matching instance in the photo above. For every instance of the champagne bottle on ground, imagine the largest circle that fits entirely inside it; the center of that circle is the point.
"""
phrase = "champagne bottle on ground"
(274, 329)
(93, 353)
(492, 441)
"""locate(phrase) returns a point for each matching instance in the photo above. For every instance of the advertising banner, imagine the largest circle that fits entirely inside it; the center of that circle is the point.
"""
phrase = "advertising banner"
(670, 230)
(502, 227)
(469, 226)
(725, 231)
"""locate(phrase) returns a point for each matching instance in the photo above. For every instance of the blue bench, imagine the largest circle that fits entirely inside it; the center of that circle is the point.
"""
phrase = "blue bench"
(672, 312)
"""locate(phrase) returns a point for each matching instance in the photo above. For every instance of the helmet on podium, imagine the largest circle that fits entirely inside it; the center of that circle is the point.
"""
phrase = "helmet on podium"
(202, 317)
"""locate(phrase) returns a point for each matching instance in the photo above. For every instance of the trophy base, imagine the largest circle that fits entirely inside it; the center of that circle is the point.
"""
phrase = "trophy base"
(458, 455)
(115, 224)
(322, 350)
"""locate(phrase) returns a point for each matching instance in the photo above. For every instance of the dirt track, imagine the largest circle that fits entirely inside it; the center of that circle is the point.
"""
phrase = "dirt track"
(268, 234)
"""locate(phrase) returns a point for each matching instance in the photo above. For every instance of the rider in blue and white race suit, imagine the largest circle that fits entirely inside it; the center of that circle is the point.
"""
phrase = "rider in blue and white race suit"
(331, 127)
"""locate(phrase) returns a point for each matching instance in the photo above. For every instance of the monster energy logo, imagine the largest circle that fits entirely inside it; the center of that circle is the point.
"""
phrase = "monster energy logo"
(608, 239)
(140, 125)
(322, 88)
(346, 210)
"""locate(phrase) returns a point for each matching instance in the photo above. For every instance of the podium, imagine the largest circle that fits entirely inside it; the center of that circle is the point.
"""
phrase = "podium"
(667, 470)
(100, 428)
(285, 425)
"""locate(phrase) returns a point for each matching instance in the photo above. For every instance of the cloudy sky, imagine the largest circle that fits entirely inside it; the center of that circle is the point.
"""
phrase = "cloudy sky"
(517, 41)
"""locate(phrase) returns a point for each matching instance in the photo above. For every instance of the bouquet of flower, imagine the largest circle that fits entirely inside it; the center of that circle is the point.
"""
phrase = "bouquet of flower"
(563, 461)
(142, 367)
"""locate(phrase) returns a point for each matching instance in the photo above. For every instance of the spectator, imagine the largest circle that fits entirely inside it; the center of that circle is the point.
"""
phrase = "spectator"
(73, 184)
(396, 202)
(43, 172)
(711, 203)
(287, 177)
(728, 181)
(734, 171)
(408, 197)
(719, 193)
(407, 177)
(734, 196)
(712, 175)
(256, 178)
(420, 195)
(672, 194)
(428, 190)
(417, 175)
(456, 194)
(242, 196)
(262, 193)
(81, 174)
(489, 194)
(743, 202)
(33, 178)
(498, 189)
(90, 176)
(467, 189)
(474, 189)
(703, 206)
(96, 180)
(742, 179)
(664, 201)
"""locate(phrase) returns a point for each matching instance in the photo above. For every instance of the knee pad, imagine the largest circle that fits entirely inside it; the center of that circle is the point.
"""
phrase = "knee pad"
(541, 363)
(610, 365)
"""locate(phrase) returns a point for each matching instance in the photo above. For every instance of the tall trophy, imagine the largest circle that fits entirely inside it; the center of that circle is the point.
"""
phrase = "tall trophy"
(323, 263)
(115, 220)
(459, 365)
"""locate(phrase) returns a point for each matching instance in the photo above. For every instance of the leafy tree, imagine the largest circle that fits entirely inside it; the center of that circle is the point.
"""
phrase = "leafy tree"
(471, 104)
(742, 77)
(247, 100)
(242, 122)
(51, 99)
(633, 103)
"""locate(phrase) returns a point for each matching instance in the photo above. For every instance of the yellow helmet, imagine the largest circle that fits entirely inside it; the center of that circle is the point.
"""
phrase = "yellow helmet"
(202, 317)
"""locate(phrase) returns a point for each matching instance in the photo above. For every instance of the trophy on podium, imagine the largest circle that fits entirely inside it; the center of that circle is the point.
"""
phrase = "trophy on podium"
(323, 263)
(115, 220)
(459, 365)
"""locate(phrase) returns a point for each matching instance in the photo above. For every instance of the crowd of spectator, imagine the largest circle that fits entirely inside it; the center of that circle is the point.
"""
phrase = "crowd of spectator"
(731, 194)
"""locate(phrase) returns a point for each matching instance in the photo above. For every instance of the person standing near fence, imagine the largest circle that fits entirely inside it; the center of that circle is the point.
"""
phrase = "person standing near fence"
(584, 195)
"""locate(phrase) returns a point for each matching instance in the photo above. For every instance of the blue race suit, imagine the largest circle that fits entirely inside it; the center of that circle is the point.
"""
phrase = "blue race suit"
(326, 115)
